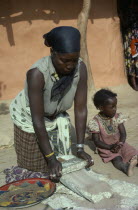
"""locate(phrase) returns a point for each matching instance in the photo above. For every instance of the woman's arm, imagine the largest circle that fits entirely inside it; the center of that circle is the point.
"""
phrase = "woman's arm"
(122, 131)
(80, 111)
(36, 83)
(80, 105)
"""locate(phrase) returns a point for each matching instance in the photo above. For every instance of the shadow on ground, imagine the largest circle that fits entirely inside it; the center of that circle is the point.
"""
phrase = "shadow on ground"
(4, 109)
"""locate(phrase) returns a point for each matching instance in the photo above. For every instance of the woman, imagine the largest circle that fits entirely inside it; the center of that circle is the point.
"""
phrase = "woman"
(128, 13)
(41, 124)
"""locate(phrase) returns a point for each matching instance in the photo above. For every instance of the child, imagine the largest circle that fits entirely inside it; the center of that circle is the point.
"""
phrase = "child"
(109, 134)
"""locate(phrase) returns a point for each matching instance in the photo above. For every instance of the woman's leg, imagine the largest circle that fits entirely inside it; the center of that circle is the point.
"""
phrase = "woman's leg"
(29, 155)
(120, 165)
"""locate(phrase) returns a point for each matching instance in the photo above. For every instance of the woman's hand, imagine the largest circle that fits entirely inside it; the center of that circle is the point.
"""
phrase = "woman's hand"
(55, 168)
(83, 155)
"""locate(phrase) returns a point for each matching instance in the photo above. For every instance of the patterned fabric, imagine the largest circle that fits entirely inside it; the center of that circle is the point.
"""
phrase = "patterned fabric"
(130, 39)
(28, 152)
(111, 136)
(15, 173)
(29, 155)
(70, 163)
(93, 126)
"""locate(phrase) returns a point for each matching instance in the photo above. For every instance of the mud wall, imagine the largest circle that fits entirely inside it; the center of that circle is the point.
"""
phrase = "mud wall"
(22, 24)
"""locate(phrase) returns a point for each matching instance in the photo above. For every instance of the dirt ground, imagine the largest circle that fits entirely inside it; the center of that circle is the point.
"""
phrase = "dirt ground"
(127, 104)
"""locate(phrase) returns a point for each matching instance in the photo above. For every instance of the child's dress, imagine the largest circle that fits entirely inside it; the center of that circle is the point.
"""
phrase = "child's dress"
(109, 134)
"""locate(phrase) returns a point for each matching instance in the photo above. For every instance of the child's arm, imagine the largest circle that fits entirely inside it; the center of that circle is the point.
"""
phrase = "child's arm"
(122, 139)
(122, 131)
(100, 144)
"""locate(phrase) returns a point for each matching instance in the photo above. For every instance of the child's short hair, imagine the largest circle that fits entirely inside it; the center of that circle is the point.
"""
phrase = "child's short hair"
(100, 97)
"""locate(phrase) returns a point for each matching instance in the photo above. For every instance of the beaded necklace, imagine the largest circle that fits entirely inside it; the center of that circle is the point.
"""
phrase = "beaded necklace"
(55, 75)
(110, 126)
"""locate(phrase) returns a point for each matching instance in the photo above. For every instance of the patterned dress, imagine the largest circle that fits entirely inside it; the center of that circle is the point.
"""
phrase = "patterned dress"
(109, 134)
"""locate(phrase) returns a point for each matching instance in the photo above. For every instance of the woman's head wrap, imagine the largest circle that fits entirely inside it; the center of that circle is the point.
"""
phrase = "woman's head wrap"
(63, 39)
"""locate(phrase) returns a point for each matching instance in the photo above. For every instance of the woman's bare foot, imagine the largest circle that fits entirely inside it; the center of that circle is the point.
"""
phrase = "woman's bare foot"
(133, 163)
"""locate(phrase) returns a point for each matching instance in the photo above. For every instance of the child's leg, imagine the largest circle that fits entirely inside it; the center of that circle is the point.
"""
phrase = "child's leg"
(127, 152)
(130, 155)
(133, 163)
(120, 165)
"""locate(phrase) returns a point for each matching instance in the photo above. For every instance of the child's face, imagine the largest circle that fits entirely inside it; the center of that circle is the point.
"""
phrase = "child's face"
(109, 110)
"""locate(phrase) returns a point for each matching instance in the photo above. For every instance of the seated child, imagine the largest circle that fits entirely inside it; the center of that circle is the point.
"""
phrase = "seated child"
(109, 134)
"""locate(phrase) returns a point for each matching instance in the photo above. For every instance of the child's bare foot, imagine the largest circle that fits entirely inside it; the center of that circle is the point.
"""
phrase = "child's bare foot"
(133, 163)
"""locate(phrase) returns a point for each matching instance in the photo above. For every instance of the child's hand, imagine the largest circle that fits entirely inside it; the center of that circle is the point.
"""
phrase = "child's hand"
(115, 148)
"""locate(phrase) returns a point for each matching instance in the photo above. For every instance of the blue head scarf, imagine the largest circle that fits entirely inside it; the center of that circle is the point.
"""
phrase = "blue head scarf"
(63, 39)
